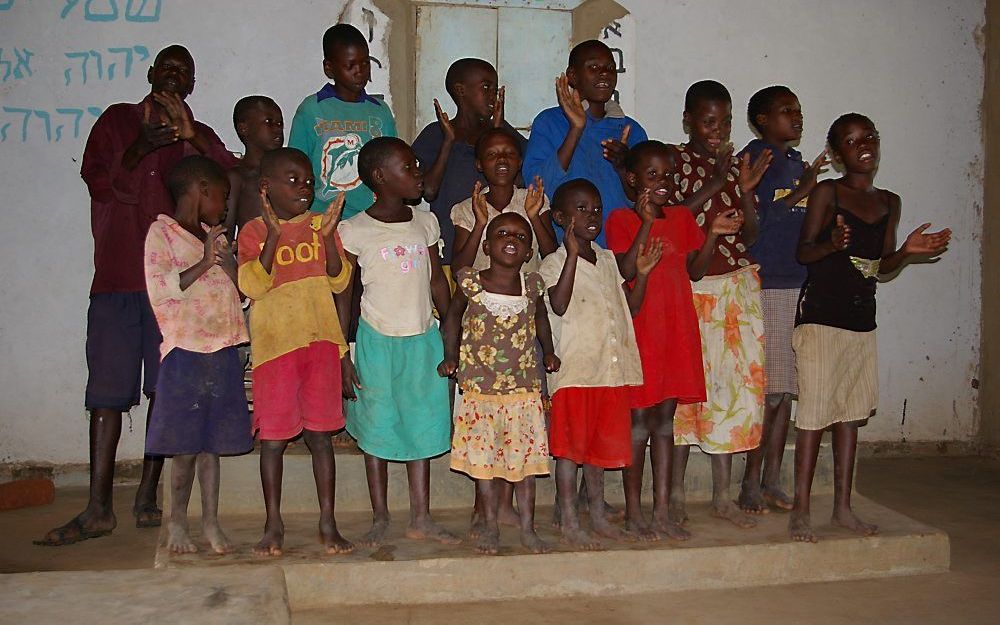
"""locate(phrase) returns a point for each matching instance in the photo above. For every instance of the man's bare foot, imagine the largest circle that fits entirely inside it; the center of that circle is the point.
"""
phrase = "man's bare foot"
(178, 540)
(848, 520)
(663, 526)
(603, 527)
(533, 543)
(578, 538)
(507, 515)
(751, 500)
(488, 542)
(639, 530)
(332, 541)
(147, 514)
(677, 511)
(477, 525)
(429, 530)
(270, 544)
(728, 511)
(776, 498)
(800, 528)
(216, 538)
(376, 535)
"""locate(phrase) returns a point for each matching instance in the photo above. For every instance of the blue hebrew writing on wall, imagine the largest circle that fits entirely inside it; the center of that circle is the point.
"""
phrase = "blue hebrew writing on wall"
(39, 123)
(117, 57)
(108, 11)
(20, 67)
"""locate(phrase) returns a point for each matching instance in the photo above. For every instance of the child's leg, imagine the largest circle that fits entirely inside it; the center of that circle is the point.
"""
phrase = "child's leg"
(377, 472)
(661, 452)
(144, 508)
(583, 501)
(271, 468)
(599, 522)
(506, 514)
(722, 506)
(325, 473)
(418, 474)
(775, 452)
(677, 509)
(488, 541)
(208, 480)
(806, 451)
(525, 492)
(635, 523)
(751, 499)
(566, 494)
(845, 446)
(181, 480)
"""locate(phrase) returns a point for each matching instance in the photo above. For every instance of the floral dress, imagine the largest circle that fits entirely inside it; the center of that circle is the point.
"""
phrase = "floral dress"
(499, 424)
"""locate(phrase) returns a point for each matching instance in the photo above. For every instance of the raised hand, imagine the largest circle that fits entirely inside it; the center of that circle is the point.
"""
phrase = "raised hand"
(498, 108)
(328, 225)
(808, 180)
(723, 162)
(177, 113)
(751, 173)
(209, 243)
(480, 207)
(932, 243)
(649, 256)
(728, 223)
(615, 149)
(224, 255)
(551, 363)
(447, 368)
(645, 209)
(535, 198)
(570, 103)
(840, 237)
(268, 214)
(446, 128)
(155, 135)
(572, 245)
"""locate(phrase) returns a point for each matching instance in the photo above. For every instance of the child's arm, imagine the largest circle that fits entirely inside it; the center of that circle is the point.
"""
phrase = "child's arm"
(435, 174)
(254, 277)
(545, 234)
(562, 292)
(650, 255)
(807, 182)
(724, 224)
(572, 106)
(749, 177)
(626, 261)
(819, 212)
(348, 375)
(273, 232)
(931, 244)
(328, 230)
(233, 202)
(440, 291)
(225, 258)
(451, 333)
(543, 330)
(467, 242)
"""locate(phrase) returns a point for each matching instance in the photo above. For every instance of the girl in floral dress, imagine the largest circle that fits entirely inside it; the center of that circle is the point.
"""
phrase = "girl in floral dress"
(500, 424)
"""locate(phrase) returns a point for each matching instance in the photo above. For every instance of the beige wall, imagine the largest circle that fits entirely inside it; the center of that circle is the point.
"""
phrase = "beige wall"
(989, 397)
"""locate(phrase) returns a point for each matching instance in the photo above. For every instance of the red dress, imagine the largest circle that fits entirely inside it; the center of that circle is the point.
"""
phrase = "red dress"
(666, 327)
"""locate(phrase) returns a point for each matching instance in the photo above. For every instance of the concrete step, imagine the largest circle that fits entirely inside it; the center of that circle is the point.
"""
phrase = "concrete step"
(240, 490)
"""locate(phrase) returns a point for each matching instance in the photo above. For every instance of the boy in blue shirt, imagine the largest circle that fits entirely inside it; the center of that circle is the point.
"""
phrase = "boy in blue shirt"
(588, 134)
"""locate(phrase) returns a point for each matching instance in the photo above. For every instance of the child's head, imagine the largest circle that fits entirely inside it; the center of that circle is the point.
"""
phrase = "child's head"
(472, 84)
(649, 166)
(708, 114)
(345, 58)
(258, 123)
(854, 143)
(173, 71)
(388, 166)
(508, 240)
(498, 156)
(286, 176)
(775, 113)
(592, 71)
(579, 198)
(199, 184)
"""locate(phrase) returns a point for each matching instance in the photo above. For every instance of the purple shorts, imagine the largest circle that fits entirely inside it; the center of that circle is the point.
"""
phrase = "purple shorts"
(200, 405)
(122, 341)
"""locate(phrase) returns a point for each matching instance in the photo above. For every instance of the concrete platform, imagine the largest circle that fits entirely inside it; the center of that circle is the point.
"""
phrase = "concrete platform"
(241, 491)
(719, 556)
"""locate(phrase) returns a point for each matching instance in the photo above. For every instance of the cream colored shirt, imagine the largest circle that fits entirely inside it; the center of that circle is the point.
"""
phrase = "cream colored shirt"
(594, 339)
(464, 217)
(395, 270)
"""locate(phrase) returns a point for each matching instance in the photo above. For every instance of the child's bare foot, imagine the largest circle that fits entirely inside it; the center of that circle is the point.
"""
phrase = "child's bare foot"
(776, 498)
(488, 542)
(178, 540)
(556, 516)
(847, 519)
(677, 511)
(604, 528)
(728, 511)
(533, 543)
(663, 526)
(271, 542)
(800, 528)
(332, 541)
(376, 535)
(216, 538)
(580, 539)
(429, 530)
(507, 515)
(639, 530)
(477, 525)
(751, 500)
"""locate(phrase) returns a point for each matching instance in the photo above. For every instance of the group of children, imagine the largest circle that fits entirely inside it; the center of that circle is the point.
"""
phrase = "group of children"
(598, 293)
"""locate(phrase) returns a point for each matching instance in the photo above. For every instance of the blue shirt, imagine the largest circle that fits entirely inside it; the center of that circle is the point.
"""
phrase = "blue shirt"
(541, 158)
(780, 224)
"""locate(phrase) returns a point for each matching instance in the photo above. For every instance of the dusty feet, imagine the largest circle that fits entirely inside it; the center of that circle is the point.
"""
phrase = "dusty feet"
(477, 525)
(677, 511)
(751, 500)
(217, 539)
(604, 528)
(147, 514)
(847, 519)
(270, 544)
(534, 544)
(728, 511)
(776, 498)
(507, 515)
(579, 539)
(639, 530)
(376, 535)
(429, 530)
(178, 540)
(663, 526)
(800, 528)
(488, 542)
(81, 527)
(332, 541)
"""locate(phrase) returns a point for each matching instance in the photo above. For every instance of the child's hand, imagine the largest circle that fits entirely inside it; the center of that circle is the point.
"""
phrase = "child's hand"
(570, 103)
(808, 180)
(267, 212)
(572, 245)
(480, 207)
(328, 225)
(535, 198)
(209, 243)
(751, 173)
(348, 378)
(446, 128)
(615, 149)
(840, 237)
(551, 363)
(498, 106)
(933, 243)
(649, 256)
(645, 210)
(447, 368)
(726, 224)
(178, 114)
(224, 256)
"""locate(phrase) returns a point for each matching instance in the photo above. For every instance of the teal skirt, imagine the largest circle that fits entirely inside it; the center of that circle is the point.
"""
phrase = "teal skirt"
(402, 412)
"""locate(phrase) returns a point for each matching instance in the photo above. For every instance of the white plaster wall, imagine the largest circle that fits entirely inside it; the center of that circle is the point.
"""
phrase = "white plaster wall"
(912, 66)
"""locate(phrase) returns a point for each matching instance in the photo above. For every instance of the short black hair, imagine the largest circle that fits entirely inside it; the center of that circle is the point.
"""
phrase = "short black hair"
(559, 197)
(838, 124)
(173, 48)
(582, 47)
(270, 160)
(761, 102)
(502, 132)
(641, 149)
(193, 169)
(246, 104)
(374, 154)
(705, 90)
(496, 221)
(459, 72)
(341, 35)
